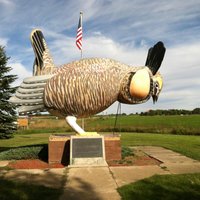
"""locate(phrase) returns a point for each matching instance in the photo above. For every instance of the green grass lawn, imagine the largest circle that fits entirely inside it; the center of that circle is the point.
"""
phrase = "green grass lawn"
(25, 139)
(176, 124)
(185, 144)
(191, 121)
(163, 187)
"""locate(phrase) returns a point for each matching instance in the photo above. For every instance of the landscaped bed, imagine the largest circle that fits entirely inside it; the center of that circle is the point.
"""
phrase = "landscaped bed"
(133, 157)
(33, 164)
(130, 157)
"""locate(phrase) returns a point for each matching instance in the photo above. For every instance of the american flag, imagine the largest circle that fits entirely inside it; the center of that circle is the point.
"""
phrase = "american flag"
(79, 35)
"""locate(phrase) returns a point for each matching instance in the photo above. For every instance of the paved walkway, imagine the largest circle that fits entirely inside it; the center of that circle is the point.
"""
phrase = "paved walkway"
(100, 183)
(174, 163)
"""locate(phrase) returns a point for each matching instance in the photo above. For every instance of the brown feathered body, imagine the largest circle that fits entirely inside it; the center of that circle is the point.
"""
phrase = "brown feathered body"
(88, 86)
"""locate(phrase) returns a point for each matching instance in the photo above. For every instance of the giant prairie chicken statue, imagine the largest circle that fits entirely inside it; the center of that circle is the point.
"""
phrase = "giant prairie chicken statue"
(87, 86)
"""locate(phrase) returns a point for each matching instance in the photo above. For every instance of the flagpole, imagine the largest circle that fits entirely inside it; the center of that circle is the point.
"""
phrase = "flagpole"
(81, 17)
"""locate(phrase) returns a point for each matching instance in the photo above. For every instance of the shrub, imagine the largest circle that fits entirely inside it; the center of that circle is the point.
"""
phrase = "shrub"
(126, 151)
(21, 153)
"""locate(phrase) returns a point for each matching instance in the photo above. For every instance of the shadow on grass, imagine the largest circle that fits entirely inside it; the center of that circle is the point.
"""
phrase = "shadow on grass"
(11, 190)
(165, 187)
(31, 185)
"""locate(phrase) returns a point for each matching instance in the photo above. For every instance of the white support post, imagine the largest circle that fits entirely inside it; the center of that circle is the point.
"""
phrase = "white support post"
(71, 120)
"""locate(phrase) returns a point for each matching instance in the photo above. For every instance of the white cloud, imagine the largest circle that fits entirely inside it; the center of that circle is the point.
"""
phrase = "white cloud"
(64, 50)
(3, 41)
(181, 68)
(6, 2)
(21, 72)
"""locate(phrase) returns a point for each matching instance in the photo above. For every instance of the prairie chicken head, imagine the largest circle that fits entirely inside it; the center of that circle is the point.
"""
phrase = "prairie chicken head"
(145, 82)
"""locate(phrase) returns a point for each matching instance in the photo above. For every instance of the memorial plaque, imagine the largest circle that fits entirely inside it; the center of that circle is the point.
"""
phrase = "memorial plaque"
(87, 147)
(87, 150)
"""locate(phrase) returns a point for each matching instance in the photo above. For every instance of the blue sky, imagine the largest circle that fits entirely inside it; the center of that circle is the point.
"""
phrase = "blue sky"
(120, 29)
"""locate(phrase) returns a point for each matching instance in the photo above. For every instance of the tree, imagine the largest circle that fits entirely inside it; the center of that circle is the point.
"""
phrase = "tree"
(196, 111)
(7, 110)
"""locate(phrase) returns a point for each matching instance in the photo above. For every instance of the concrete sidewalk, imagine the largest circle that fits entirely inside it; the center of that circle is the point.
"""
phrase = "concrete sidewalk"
(90, 183)
(174, 163)
(100, 183)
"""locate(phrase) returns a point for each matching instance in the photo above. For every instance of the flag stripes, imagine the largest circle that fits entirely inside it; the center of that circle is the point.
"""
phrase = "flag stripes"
(79, 35)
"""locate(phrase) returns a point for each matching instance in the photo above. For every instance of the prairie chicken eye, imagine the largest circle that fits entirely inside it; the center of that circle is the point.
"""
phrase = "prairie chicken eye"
(157, 85)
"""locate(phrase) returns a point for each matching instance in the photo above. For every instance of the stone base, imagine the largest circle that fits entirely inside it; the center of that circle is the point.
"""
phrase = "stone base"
(59, 148)
(112, 147)
(89, 162)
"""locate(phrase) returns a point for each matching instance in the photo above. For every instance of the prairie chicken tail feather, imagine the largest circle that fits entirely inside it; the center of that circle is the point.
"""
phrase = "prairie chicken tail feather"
(43, 63)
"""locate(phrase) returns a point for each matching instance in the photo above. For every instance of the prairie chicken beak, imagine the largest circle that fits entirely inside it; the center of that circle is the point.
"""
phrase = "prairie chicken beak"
(155, 98)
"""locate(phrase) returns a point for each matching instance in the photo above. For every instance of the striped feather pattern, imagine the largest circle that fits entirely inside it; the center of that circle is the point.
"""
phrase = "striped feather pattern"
(81, 88)
(86, 87)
